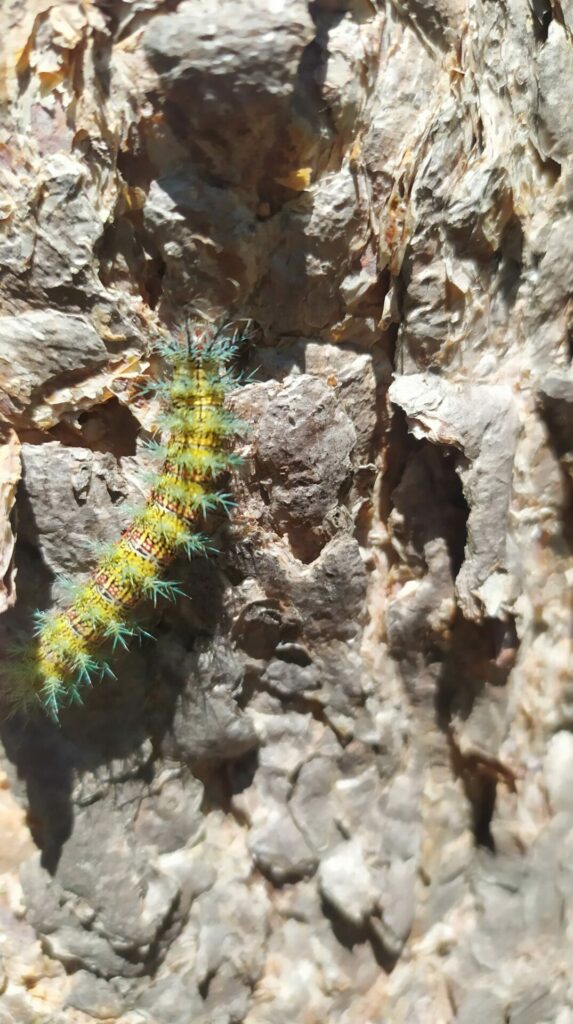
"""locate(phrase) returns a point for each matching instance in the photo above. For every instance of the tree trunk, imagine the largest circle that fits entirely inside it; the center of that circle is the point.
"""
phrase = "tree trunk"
(338, 786)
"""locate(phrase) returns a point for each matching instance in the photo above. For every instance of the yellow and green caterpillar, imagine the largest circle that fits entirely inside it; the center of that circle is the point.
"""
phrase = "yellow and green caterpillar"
(66, 655)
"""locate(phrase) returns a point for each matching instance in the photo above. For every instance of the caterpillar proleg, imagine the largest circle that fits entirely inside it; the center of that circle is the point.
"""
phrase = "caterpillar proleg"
(66, 656)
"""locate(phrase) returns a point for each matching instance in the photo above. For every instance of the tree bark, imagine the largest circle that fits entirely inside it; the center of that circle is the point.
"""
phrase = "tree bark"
(338, 785)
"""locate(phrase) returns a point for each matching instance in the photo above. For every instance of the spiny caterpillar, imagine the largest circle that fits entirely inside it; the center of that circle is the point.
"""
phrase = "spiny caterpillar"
(65, 657)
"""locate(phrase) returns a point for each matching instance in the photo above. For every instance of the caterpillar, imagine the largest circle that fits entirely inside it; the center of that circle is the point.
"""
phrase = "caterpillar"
(66, 655)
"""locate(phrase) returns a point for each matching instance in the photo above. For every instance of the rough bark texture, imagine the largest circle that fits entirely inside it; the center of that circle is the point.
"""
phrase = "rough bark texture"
(339, 786)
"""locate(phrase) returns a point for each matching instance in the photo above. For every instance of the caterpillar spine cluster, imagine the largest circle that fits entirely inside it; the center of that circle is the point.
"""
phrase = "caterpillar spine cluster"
(66, 658)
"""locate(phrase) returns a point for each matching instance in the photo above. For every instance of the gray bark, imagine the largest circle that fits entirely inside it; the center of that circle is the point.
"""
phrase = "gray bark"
(338, 786)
